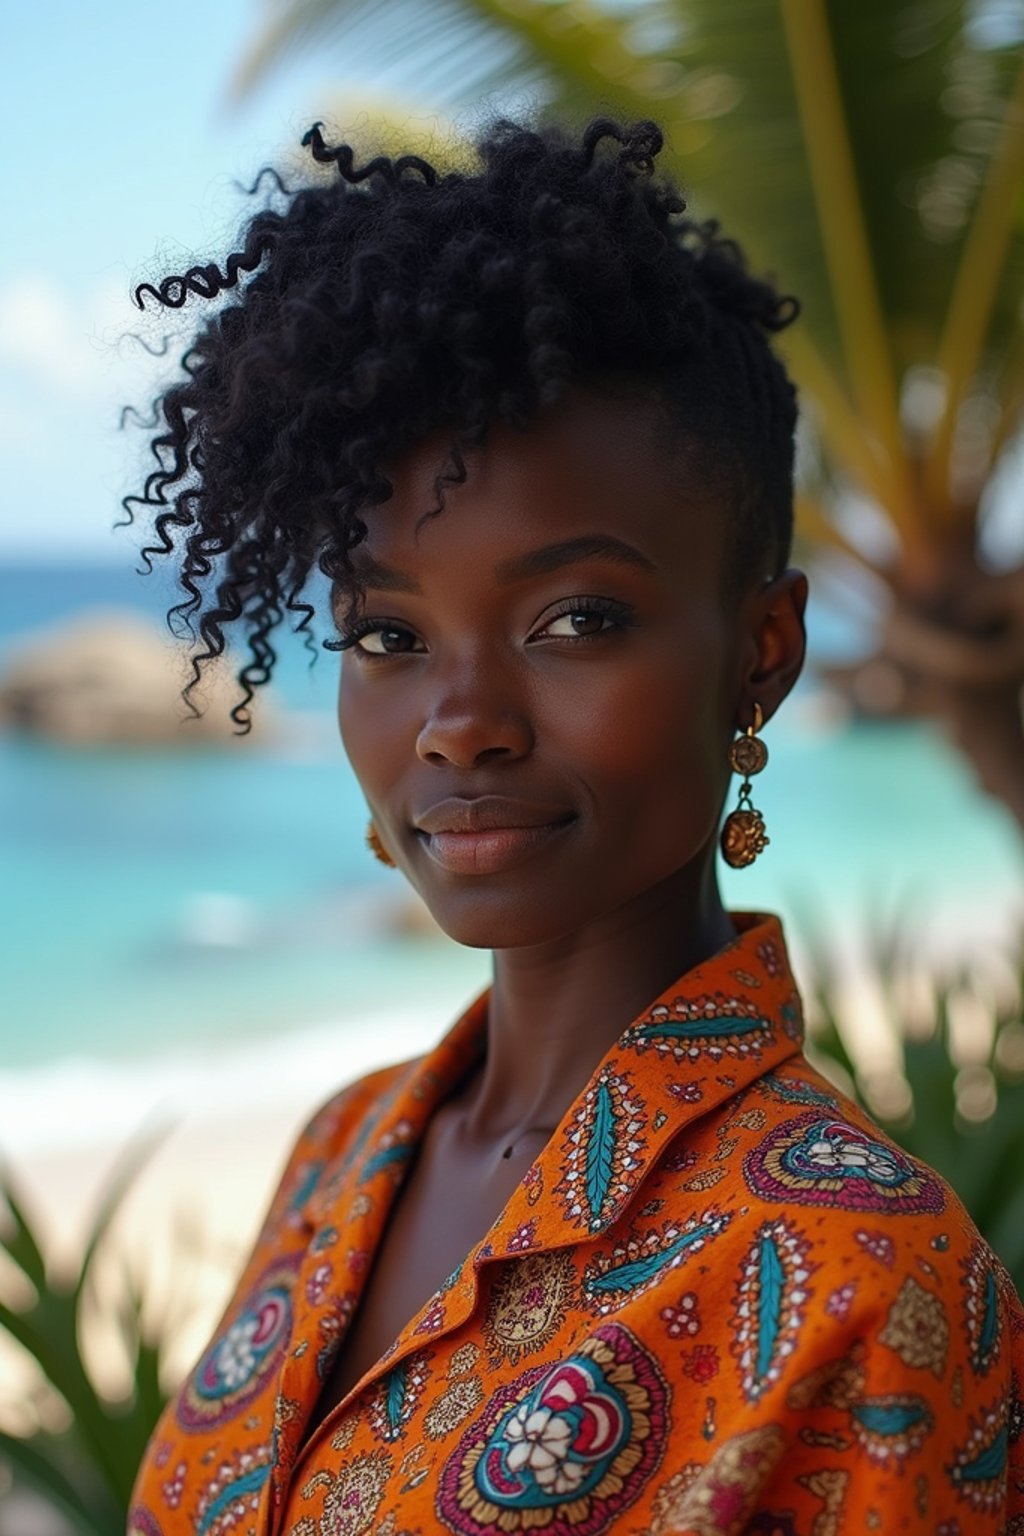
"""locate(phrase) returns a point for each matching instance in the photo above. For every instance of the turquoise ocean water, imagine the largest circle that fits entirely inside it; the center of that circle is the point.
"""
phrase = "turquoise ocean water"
(152, 902)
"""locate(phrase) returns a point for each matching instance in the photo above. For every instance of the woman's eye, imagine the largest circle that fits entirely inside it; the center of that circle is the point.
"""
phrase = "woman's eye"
(388, 640)
(583, 623)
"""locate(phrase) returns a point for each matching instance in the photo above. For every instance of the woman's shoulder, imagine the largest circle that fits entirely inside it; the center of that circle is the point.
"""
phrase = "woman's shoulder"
(891, 1222)
(328, 1137)
(332, 1119)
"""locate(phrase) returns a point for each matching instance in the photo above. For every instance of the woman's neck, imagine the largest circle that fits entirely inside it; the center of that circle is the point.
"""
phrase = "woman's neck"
(555, 1010)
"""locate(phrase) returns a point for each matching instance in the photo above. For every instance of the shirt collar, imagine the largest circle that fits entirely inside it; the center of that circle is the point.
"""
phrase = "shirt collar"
(704, 1039)
(709, 1034)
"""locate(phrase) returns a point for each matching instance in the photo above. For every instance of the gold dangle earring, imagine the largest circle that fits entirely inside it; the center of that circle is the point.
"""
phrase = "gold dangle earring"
(376, 847)
(743, 835)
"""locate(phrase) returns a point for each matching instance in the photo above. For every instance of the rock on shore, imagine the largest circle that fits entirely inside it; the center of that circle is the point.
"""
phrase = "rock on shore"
(112, 678)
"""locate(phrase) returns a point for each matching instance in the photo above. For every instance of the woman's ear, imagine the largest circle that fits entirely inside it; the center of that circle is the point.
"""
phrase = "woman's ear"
(773, 656)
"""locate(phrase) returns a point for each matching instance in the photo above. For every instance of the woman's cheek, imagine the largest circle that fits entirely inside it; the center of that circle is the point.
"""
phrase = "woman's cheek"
(376, 740)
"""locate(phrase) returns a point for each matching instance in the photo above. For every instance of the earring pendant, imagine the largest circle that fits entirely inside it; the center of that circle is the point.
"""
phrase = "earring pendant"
(743, 834)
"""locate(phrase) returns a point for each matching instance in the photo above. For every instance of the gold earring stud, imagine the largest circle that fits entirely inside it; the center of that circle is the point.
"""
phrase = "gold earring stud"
(376, 847)
(743, 835)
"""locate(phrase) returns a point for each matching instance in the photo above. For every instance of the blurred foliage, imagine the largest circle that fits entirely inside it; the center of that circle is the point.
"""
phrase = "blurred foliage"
(955, 1097)
(872, 156)
(87, 1468)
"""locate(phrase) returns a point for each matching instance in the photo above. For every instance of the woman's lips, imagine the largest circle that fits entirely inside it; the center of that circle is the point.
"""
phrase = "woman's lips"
(486, 853)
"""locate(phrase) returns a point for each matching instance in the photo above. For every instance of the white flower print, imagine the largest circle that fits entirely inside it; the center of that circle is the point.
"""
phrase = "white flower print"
(833, 1153)
(236, 1358)
(540, 1441)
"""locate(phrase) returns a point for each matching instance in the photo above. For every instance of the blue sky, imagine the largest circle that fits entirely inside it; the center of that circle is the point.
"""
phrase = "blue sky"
(121, 150)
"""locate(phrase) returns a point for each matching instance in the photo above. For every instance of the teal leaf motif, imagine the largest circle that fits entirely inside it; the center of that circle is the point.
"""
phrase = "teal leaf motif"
(249, 1482)
(989, 1462)
(627, 1277)
(389, 1157)
(769, 1317)
(890, 1418)
(397, 1383)
(990, 1320)
(306, 1185)
(600, 1151)
(700, 1029)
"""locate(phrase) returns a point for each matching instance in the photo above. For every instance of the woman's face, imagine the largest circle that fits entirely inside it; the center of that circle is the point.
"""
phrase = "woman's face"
(556, 637)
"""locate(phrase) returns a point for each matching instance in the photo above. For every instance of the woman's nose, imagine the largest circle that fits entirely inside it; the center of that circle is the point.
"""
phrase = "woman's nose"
(472, 723)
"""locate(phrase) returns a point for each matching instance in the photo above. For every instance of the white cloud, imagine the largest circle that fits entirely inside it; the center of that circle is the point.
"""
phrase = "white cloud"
(72, 348)
(42, 335)
(67, 366)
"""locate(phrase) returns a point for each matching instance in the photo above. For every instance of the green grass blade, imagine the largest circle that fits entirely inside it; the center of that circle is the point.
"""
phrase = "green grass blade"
(40, 1471)
(21, 1243)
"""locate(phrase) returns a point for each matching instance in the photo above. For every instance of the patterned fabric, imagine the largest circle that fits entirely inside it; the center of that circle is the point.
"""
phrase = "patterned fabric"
(719, 1302)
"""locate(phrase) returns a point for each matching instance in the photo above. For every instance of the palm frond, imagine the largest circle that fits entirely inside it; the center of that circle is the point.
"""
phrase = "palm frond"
(851, 447)
(976, 287)
(124, 1173)
(847, 252)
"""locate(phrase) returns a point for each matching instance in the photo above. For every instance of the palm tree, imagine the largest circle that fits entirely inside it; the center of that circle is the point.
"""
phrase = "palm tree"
(871, 154)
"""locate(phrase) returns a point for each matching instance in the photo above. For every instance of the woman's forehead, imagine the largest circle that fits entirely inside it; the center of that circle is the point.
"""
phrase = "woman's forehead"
(592, 465)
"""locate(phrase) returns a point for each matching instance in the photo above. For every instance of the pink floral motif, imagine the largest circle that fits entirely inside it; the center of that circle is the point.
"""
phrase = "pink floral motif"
(316, 1285)
(839, 1303)
(433, 1318)
(700, 1364)
(877, 1245)
(683, 1318)
(689, 1093)
(175, 1486)
(768, 954)
(162, 1454)
(522, 1238)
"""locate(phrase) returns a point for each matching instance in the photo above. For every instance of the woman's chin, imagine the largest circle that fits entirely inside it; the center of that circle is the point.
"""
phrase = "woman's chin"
(480, 924)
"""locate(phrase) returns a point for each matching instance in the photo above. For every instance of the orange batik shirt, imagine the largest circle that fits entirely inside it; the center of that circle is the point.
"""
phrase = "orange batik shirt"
(720, 1301)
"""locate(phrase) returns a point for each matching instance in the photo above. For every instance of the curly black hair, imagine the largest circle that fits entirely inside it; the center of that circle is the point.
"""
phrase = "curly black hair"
(394, 300)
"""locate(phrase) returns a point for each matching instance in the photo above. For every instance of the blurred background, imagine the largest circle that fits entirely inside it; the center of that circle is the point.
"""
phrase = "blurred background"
(195, 945)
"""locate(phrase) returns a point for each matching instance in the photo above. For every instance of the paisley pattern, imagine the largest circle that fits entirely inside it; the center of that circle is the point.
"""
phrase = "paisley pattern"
(228, 1502)
(576, 1442)
(602, 1150)
(771, 1304)
(981, 1309)
(721, 1499)
(528, 1304)
(397, 1396)
(353, 1494)
(691, 1028)
(792, 1090)
(244, 1356)
(638, 1263)
(980, 1465)
(917, 1329)
(891, 1428)
(720, 1301)
(815, 1161)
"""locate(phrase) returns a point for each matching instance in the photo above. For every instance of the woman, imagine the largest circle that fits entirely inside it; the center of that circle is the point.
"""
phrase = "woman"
(612, 1256)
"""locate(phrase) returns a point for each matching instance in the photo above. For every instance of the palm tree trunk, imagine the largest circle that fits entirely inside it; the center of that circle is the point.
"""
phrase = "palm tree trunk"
(954, 655)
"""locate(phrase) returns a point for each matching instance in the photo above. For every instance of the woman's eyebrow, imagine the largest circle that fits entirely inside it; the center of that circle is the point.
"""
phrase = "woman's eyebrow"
(536, 562)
